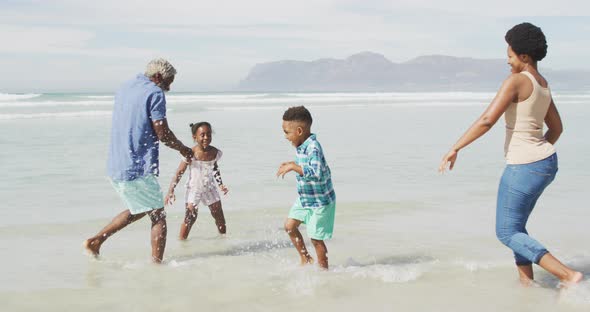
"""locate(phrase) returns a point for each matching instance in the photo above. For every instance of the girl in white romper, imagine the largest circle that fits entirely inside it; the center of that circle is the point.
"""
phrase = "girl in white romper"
(204, 177)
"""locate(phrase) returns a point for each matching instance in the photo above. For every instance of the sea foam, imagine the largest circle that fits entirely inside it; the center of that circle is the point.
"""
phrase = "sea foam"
(14, 97)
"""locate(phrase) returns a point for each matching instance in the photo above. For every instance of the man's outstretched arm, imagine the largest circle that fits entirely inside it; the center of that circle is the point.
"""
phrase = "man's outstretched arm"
(166, 136)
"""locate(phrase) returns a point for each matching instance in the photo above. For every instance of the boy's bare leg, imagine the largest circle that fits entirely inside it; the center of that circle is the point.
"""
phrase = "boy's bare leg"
(158, 235)
(292, 228)
(217, 213)
(190, 217)
(322, 252)
(525, 274)
(562, 272)
(92, 245)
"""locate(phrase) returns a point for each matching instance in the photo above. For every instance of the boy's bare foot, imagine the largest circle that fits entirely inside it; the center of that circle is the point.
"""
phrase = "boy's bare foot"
(92, 247)
(307, 260)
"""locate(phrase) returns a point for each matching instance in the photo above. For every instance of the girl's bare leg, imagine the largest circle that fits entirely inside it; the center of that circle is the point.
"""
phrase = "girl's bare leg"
(190, 217)
(217, 213)
(292, 228)
(93, 244)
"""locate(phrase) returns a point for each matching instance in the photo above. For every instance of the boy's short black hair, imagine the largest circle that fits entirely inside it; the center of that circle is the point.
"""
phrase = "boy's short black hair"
(528, 39)
(196, 126)
(298, 113)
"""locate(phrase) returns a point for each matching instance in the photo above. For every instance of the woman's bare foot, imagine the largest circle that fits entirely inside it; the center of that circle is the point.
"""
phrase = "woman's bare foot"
(566, 276)
(92, 247)
(526, 282)
(574, 278)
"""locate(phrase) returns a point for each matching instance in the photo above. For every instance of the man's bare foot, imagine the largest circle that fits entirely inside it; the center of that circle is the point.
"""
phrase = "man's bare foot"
(92, 247)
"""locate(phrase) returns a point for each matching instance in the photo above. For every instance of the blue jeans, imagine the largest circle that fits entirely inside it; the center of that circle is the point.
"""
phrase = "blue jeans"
(520, 187)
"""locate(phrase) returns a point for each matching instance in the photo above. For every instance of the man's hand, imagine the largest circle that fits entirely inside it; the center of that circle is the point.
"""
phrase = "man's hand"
(166, 136)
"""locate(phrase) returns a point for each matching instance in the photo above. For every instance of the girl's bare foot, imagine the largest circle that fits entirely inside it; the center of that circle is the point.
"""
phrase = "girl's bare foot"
(92, 247)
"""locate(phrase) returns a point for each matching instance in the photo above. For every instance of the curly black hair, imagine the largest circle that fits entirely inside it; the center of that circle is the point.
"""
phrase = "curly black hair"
(298, 113)
(196, 126)
(528, 39)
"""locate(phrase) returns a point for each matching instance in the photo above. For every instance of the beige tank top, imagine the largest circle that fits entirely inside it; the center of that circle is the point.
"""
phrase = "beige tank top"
(525, 142)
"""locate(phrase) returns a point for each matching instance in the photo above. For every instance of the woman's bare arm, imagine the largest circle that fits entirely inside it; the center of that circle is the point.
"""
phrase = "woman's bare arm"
(554, 125)
(507, 94)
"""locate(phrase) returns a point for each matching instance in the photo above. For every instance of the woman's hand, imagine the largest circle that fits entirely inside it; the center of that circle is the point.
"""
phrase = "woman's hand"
(224, 189)
(448, 159)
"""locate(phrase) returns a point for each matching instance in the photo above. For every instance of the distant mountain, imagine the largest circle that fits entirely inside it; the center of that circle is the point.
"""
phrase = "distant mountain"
(368, 71)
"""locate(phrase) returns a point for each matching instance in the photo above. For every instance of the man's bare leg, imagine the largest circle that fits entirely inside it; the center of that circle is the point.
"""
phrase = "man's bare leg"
(190, 217)
(159, 232)
(93, 244)
(322, 253)
(217, 213)
(292, 228)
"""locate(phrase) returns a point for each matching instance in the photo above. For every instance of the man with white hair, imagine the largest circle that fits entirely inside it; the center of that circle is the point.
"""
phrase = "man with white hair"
(138, 125)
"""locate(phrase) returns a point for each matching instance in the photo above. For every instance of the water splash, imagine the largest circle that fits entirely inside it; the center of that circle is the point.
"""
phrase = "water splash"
(390, 270)
(577, 295)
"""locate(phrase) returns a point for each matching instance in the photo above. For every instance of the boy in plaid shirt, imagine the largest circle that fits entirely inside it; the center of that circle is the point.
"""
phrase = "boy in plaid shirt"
(316, 204)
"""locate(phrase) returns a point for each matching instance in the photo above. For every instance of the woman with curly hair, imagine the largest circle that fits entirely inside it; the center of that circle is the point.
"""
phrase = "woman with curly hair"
(525, 100)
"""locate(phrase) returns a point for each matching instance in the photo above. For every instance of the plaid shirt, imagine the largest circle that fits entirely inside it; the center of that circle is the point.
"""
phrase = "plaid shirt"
(315, 185)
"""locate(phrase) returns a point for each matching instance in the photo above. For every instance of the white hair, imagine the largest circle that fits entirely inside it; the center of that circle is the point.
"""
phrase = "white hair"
(160, 66)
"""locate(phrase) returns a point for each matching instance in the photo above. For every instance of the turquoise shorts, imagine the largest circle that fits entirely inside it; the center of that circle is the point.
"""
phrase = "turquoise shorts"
(319, 221)
(140, 195)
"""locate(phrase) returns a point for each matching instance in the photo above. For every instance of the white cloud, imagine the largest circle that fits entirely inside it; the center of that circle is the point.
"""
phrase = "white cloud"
(18, 39)
(54, 40)
(496, 8)
(231, 12)
(157, 12)
(215, 43)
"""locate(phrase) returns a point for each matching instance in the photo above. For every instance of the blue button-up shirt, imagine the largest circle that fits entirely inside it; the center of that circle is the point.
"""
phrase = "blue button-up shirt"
(315, 185)
(134, 145)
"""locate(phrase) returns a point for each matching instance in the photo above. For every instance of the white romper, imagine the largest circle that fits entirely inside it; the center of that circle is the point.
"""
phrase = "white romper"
(201, 185)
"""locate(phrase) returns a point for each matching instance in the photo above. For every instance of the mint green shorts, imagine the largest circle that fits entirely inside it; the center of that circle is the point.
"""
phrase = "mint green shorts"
(140, 195)
(319, 221)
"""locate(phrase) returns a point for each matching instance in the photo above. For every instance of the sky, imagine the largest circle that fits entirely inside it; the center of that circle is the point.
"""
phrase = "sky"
(94, 46)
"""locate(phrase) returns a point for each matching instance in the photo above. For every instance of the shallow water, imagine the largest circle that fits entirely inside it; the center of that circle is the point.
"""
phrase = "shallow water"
(406, 238)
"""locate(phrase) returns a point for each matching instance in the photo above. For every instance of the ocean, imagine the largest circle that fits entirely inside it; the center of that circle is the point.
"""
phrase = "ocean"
(406, 237)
